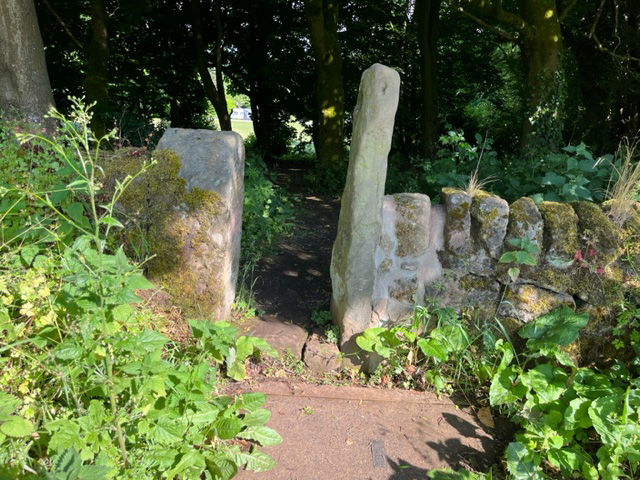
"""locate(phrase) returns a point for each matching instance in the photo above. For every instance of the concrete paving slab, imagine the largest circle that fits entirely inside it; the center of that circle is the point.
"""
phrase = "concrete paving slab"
(357, 433)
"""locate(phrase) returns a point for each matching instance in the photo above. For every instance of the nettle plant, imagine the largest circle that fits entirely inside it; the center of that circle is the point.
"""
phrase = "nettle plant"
(522, 256)
(87, 389)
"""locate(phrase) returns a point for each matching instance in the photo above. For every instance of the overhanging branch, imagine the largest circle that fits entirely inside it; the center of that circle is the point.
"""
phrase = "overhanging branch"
(63, 25)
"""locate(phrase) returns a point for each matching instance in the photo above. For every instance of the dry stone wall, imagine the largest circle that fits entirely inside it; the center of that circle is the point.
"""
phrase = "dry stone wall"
(396, 251)
(449, 254)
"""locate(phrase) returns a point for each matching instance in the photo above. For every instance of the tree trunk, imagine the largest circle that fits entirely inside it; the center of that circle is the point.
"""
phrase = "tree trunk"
(95, 82)
(322, 16)
(428, 13)
(24, 82)
(214, 91)
(540, 45)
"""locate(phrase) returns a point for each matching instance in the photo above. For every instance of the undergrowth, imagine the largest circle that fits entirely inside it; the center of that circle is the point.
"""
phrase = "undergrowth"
(89, 389)
(575, 421)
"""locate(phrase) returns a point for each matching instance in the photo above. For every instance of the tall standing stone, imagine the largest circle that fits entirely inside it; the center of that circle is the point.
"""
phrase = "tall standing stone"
(360, 224)
(210, 161)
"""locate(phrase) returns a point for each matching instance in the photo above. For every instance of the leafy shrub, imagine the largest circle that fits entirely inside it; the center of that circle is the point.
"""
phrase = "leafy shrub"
(87, 389)
(447, 355)
(573, 174)
(268, 211)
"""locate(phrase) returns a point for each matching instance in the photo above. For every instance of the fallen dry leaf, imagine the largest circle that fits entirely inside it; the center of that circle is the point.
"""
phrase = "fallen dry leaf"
(485, 417)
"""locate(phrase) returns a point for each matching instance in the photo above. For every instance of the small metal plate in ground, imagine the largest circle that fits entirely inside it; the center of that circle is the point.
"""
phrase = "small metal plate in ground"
(377, 453)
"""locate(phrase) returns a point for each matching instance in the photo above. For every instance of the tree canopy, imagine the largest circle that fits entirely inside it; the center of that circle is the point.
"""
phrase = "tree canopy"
(533, 75)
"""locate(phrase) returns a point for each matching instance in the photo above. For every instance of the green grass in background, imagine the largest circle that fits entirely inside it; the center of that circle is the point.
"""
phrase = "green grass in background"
(243, 127)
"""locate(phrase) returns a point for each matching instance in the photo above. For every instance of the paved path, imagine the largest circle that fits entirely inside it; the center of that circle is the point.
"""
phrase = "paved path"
(357, 433)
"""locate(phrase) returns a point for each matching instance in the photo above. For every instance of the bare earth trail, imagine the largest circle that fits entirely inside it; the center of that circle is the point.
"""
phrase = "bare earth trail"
(348, 432)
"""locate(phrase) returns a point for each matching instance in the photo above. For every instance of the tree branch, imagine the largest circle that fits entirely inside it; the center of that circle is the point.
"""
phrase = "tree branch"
(503, 35)
(599, 44)
(63, 25)
(562, 15)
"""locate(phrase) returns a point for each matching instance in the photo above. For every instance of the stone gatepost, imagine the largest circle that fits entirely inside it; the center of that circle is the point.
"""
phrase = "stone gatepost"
(207, 229)
(360, 224)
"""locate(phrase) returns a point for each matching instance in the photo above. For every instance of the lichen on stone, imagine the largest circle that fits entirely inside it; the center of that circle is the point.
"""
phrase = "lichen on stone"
(458, 220)
(489, 219)
(525, 221)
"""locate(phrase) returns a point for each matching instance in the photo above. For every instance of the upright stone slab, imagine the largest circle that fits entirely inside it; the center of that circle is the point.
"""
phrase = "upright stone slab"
(360, 224)
(211, 162)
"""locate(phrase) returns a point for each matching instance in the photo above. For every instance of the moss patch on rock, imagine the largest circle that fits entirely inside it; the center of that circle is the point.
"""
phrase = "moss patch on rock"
(178, 227)
(560, 230)
(599, 233)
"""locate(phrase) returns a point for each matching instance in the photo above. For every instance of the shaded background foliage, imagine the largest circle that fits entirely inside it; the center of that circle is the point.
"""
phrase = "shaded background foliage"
(266, 54)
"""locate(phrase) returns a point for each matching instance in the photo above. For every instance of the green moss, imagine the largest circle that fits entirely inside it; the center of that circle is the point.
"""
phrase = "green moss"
(473, 282)
(549, 278)
(598, 290)
(560, 229)
(175, 222)
(599, 232)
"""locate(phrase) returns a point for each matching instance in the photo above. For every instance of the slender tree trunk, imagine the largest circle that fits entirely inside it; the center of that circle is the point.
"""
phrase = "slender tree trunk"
(262, 109)
(428, 13)
(540, 45)
(322, 16)
(214, 91)
(95, 82)
(24, 82)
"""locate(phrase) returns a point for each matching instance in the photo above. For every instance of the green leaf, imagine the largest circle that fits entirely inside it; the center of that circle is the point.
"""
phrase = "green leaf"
(122, 313)
(507, 257)
(257, 417)
(513, 273)
(228, 427)
(68, 351)
(150, 340)
(15, 426)
(109, 220)
(254, 461)
(59, 193)
(28, 253)
(266, 436)
(449, 474)
(8, 405)
(95, 472)
(192, 458)
(221, 468)
(433, 348)
(525, 258)
(519, 463)
(554, 179)
(603, 413)
(66, 436)
(576, 415)
(560, 327)
(75, 211)
(167, 431)
(370, 337)
(504, 389)
(138, 282)
(566, 459)
(252, 401)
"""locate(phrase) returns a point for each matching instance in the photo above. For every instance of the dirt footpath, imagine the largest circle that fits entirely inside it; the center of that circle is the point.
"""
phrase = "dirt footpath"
(357, 433)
